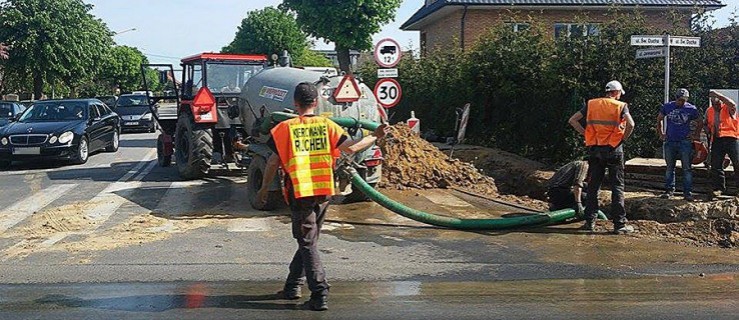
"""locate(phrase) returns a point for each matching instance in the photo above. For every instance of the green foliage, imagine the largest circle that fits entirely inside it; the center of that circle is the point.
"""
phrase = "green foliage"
(52, 40)
(310, 58)
(348, 23)
(269, 31)
(524, 86)
(121, 69)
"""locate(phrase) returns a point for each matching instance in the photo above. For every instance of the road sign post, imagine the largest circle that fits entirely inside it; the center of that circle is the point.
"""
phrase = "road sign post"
(666, 41)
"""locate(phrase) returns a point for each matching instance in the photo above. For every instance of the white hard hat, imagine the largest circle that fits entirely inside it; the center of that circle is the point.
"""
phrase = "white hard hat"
(615, 86)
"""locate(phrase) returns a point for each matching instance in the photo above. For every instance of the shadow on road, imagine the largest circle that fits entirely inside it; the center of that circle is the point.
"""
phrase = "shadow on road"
(105, 174)
(161, 303)
(215, 198)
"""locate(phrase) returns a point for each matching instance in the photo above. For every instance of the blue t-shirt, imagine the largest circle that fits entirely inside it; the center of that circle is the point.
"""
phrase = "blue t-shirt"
(678, 120)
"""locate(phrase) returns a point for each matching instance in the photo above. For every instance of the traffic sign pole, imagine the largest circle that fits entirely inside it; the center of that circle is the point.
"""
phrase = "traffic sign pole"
(667, 68)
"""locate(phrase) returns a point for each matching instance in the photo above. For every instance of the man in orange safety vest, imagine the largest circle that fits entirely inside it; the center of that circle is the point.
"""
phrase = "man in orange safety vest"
(306, 148)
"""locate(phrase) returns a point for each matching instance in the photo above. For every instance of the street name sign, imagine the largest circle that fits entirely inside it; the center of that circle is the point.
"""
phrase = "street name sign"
(650, 53)
(679, 41)
(647, 41)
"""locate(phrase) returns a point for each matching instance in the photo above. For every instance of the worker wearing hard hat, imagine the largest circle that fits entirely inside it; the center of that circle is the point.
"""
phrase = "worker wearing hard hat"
(722, 127)
(676, 126)
(607, 124)
(306, 147)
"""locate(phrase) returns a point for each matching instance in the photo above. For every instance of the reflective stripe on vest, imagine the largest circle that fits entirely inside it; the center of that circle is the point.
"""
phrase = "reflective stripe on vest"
(727, 125)
(307, 154)
(604, 126)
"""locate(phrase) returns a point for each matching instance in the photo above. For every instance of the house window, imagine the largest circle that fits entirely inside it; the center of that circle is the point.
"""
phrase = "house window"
(576, 30)
(517, 27)
(423, 42)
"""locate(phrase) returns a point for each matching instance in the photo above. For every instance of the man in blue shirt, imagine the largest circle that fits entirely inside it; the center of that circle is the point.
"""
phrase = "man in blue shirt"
(678, 125)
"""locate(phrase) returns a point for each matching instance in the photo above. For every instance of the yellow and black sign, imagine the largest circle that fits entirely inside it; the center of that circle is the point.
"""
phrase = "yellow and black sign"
(310, 138)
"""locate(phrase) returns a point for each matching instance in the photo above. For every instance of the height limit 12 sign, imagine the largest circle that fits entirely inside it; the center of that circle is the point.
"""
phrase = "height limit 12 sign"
(388, 92)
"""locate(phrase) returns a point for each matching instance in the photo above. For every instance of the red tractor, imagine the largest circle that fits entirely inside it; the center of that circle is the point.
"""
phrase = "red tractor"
(198, 117)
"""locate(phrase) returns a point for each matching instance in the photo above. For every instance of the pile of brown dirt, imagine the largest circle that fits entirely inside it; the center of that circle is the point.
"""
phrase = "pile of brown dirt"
(513, 174)
(705, 233)
(411, 162)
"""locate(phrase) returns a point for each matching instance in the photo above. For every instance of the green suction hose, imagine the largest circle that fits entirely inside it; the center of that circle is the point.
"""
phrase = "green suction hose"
(428, 218)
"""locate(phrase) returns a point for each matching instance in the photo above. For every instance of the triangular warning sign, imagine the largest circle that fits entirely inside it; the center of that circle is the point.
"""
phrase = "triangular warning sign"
(204, 98)
(348, 90)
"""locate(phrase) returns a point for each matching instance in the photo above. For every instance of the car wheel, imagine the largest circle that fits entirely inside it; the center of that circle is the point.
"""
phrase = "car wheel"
(115, 143)
(5, 164)
(83, 152)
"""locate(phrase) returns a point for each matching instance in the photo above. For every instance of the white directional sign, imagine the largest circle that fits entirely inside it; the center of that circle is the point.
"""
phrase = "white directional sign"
(650, 53)
(387, 73)
(388, 53)
(647, 41)
(388, 92)
(679, 41)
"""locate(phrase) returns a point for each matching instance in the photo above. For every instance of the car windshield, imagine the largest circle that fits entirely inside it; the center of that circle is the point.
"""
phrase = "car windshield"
(229, 78)
(55, 111)
(6, 110)
(107, 100)
(132, 101)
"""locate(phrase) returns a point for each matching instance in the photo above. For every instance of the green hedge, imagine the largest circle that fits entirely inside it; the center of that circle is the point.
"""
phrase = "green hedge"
(523, 86)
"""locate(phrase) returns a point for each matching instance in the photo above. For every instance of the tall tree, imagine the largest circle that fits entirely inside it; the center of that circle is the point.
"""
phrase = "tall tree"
(350, 24)
(3, 56)
(269, 31)
(53, 40)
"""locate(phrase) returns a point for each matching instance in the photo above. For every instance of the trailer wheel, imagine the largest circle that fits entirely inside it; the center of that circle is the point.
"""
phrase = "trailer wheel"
(164, 161)
(359, 196)
(254, 183)
(193, 148)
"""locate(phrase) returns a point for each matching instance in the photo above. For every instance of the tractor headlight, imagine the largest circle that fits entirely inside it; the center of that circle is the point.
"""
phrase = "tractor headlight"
(66, 137)
(4, 141)
(53, 140)
(146, 116)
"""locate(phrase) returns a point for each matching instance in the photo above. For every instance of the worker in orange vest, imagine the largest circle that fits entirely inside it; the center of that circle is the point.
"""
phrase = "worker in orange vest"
(306, 148)
(607, 125)
(722, 126)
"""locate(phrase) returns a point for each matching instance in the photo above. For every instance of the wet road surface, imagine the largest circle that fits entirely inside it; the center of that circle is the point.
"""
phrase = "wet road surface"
(663, 298)
(120, 237)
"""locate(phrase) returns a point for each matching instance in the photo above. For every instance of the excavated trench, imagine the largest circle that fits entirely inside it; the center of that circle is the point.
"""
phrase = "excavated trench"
(413, 163)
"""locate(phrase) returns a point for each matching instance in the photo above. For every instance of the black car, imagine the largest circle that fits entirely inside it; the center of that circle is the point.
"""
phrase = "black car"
(135, 113)
(108, 100)
(60, 129)
(9, 110)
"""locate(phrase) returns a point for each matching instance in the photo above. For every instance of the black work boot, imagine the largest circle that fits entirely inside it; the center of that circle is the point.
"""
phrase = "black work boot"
(588, 226)
(290, 293)
(318, 303)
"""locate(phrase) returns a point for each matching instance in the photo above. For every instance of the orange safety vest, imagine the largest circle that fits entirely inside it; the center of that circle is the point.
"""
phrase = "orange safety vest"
(604, 126)
(307, 149)
(728, 125)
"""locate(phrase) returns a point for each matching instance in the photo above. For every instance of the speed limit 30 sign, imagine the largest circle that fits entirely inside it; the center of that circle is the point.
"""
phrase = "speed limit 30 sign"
(388, 92)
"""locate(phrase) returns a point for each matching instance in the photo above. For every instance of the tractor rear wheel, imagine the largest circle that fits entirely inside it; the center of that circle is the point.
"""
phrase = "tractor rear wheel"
(254, 183)
(193, 148)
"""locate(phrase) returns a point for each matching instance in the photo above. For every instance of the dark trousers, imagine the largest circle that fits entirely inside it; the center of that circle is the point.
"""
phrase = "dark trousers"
(599, 161)
(307, 218)
(719, 149)
(563, 198)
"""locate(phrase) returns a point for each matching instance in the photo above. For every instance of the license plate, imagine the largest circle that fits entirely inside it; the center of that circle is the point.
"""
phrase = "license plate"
(30, 151)
(134, 123)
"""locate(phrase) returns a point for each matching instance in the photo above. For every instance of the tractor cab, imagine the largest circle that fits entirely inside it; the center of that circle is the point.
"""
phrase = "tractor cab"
(198, 129)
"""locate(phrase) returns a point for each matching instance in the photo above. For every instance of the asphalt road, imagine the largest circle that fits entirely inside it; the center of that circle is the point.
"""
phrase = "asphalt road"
(120, 237)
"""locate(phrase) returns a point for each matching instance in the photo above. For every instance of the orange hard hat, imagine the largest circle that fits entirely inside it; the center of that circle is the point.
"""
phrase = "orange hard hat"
(700, 152)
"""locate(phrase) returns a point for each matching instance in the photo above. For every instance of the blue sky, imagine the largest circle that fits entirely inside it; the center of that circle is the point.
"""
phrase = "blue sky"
(167, 30)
